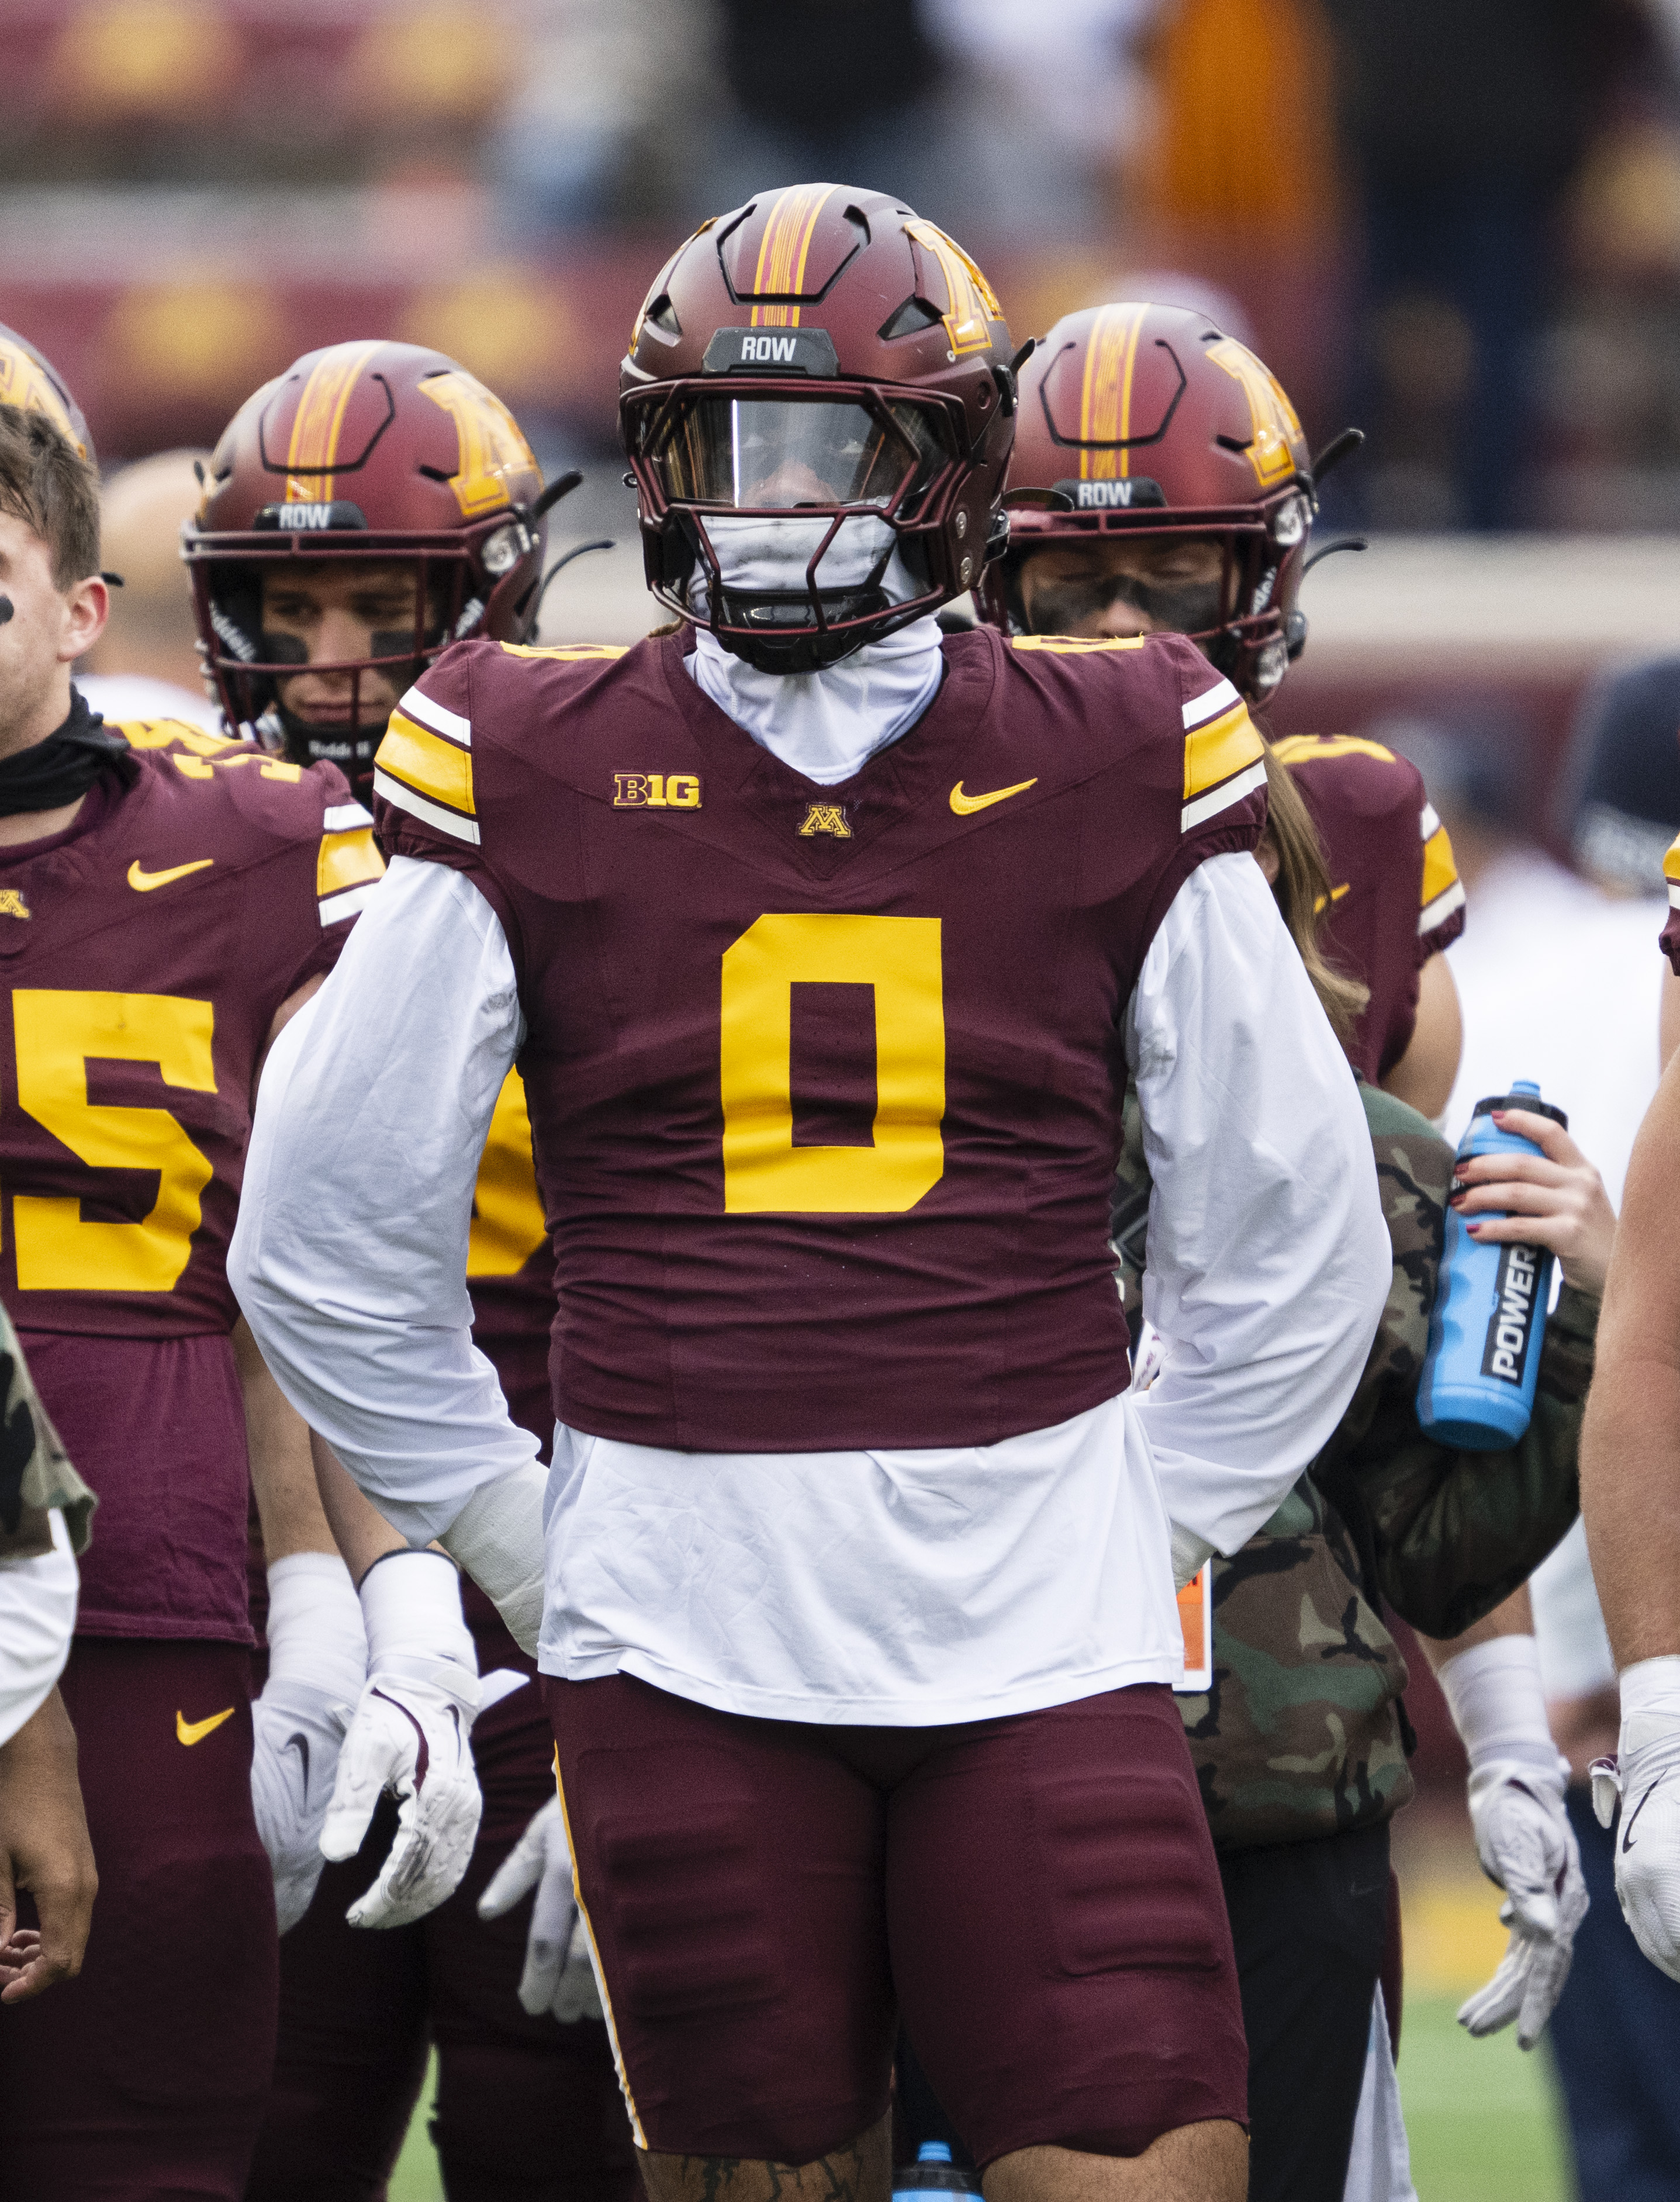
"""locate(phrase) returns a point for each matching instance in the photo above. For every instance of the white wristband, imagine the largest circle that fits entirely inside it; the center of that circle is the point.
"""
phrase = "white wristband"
(1652, 1686)
(412, 1605)
(38, 1615)
(1494, 1692)
(498, 1537)
(316, 1633)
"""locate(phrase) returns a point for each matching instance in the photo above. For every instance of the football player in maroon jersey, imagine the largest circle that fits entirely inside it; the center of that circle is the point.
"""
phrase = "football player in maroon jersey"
(169, 900)
(822, 941)
(1160, 482)
(362, 510)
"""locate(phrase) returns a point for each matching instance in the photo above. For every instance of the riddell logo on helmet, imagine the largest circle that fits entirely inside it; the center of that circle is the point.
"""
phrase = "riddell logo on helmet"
(1506, 1351)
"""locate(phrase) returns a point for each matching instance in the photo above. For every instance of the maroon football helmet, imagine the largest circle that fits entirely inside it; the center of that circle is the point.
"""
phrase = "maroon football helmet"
(819, 356)
(376, 453)
(34, 384)
(1147, 420)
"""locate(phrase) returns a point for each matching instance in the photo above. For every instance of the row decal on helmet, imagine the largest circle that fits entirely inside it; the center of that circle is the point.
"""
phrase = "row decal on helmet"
(784, 250)
(319, 422)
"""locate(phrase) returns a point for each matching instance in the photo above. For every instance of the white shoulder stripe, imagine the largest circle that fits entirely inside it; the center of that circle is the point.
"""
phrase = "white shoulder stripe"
(1673, 895)
(1209, 706)
(338, 906)
(433, 714)
(1432, 913)
(1222, 798)
(343, 818)
(1429, 821)
(404, 799)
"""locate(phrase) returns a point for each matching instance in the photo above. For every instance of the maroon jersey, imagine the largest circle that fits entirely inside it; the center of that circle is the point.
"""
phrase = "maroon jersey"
(145, 951)
(1395, 898)
(824, 1082)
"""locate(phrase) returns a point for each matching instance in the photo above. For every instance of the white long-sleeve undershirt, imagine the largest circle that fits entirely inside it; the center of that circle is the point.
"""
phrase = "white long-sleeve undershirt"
(37, 1617)
(896, 1586)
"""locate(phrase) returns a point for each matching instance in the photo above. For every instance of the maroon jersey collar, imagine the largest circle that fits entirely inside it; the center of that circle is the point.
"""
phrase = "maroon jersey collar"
(820, 827)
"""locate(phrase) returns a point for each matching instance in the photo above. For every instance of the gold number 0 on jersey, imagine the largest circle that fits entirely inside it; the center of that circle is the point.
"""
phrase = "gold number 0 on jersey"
(763, 1169)
(56, 1032)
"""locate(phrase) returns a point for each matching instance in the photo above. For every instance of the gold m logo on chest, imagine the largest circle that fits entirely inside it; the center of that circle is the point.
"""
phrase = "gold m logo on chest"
(826, 818)
(12, 904)
(656, 790)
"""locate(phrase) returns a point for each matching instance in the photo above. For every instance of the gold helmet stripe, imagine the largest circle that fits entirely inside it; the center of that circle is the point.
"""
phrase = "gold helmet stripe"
(319, 421)
(785, 249)
(1105, 397)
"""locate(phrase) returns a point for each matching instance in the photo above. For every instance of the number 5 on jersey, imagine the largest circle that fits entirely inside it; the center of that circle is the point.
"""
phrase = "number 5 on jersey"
(56, 1035)
(901, 958)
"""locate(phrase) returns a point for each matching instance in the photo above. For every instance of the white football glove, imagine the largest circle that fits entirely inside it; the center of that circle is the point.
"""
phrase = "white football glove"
(1522, 1834)
(1645, 1774)
(409, 1736)
(317, 1662)
(558, 1976)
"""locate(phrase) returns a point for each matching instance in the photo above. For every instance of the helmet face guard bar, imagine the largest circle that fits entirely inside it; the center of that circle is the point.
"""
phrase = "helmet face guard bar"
(776, 450)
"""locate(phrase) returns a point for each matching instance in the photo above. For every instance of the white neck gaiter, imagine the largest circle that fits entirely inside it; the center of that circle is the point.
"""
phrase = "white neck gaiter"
(827, 725)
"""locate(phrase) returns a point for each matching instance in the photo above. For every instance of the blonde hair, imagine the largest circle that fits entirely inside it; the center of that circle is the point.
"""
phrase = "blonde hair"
(1302, 892)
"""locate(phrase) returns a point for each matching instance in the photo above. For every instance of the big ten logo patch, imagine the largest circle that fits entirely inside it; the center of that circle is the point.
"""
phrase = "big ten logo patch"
(656, 790)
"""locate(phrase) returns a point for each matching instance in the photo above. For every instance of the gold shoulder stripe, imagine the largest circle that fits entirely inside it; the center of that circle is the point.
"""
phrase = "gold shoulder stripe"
(1314, 749)
(568, 653)
(1440, 870)
(413, 755)
(1074, 646)
(346, 860)
(170, 734)
(1215, 752)
(1672, 861)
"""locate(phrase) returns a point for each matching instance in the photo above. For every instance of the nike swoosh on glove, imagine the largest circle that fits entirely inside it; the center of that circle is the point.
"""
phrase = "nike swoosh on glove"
(298, 1736)
(1645, 1774)
(409, 1736)
(1526, 1844)
(317, 1662)
(558, 1976)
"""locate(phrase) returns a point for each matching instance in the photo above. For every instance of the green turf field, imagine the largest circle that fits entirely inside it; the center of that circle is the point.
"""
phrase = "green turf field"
(1480, 2114)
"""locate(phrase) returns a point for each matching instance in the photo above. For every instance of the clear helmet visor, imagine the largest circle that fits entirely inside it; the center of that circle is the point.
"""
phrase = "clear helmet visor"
(783, 453)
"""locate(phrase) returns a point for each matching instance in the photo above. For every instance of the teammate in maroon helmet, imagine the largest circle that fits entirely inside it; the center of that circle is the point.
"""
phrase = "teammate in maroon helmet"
(1160, 482)
(167, 900)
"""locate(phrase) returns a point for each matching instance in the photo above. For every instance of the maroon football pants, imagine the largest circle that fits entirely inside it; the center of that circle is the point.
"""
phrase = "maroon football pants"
(528, 2110)
(143, 2079)
(1037, 1894)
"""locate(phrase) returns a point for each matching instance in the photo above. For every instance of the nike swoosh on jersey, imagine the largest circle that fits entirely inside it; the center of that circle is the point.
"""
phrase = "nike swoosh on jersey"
(963, 805)
(144, 882)
(192, 1732)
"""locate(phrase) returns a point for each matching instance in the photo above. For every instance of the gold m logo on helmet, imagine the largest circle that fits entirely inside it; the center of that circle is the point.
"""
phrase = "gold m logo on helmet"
(23, 384)
(1269, 412)
(492, 450)
(972, 302)
(827, 818)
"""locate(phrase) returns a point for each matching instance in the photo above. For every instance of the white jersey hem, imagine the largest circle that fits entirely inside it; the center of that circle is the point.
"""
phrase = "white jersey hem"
(813, 1711)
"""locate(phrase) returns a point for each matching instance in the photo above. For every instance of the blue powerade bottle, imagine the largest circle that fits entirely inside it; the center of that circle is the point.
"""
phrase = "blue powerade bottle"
(1477, 1389)
(933, 2172)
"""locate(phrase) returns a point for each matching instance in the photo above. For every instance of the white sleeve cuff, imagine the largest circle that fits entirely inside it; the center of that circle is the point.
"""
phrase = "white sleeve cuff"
(498, 1538)
(38, 1618)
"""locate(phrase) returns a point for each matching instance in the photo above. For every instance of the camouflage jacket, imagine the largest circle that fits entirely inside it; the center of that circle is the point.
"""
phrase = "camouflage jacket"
(1302, 1733)
(35, 1471)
